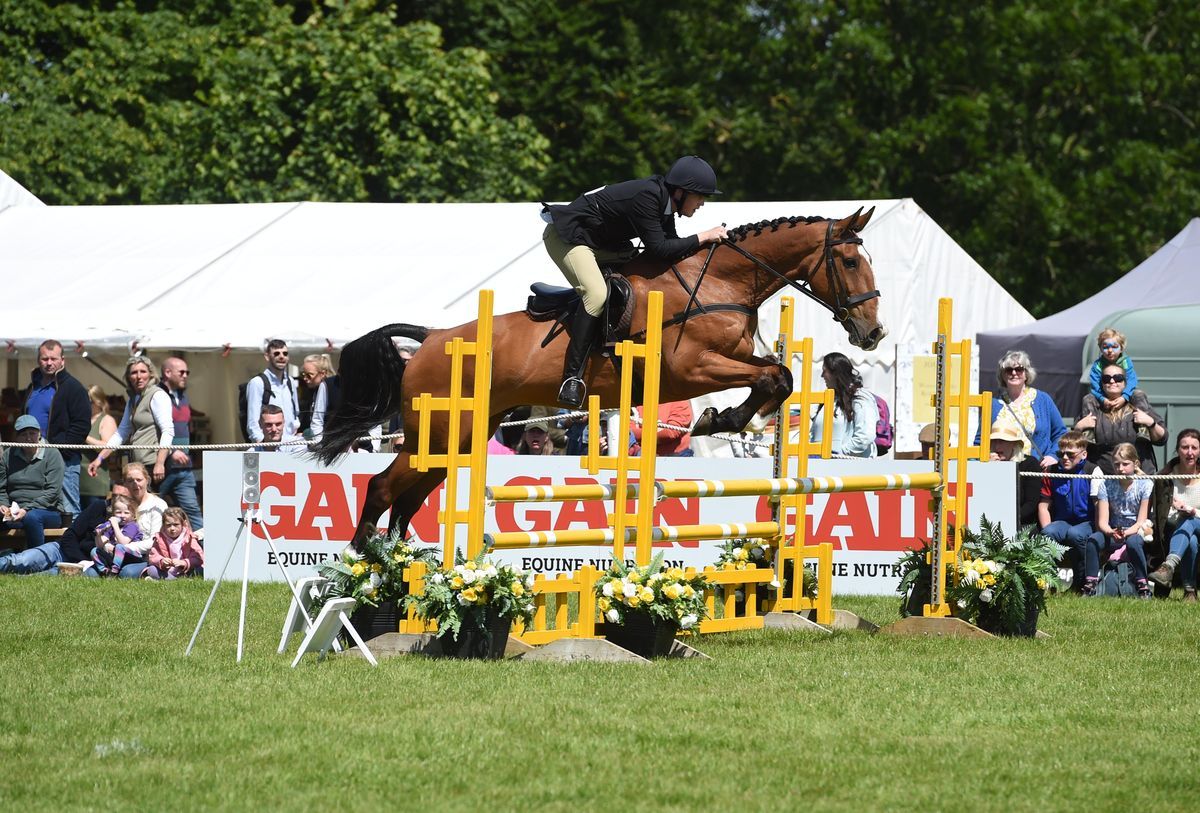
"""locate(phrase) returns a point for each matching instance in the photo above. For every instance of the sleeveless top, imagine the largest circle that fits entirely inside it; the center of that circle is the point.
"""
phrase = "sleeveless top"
(99, 485)
(181, 417)
(144, 431)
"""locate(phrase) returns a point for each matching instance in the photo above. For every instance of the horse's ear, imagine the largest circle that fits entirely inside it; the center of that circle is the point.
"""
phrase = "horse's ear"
(847, 225)
(860, 224)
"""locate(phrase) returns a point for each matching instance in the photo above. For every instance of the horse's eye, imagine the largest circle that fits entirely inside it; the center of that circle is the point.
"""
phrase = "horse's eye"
(850, 263)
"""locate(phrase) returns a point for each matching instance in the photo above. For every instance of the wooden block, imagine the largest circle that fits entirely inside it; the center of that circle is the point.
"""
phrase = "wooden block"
(792, 621)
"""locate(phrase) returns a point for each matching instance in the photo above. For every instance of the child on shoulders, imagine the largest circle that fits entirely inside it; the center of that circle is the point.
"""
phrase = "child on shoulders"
(119, 540)
(176, 552)
(1112, 351)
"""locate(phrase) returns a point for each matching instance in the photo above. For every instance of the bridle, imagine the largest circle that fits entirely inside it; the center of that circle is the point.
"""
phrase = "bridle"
(843, 302)
(840, 309)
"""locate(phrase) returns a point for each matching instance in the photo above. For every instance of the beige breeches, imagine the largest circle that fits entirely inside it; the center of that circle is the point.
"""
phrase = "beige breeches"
(579, 264)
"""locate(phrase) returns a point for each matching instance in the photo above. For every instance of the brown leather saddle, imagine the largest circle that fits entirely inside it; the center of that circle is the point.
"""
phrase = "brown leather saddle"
(552, 302)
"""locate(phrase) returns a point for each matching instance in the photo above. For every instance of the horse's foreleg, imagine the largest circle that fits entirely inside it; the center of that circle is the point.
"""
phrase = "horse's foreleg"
(769, 381)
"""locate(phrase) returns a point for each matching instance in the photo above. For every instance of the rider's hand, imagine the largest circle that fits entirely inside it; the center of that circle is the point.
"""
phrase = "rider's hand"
(713, 235)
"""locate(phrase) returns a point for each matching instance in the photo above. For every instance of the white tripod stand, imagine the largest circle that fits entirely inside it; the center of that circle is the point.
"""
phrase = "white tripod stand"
(251, 516)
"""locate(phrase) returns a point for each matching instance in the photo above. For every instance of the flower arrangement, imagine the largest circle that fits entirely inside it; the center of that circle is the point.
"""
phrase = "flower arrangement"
(1002, 582)
(472, 594)
(666, 594)
(741, 554)
(375, 575)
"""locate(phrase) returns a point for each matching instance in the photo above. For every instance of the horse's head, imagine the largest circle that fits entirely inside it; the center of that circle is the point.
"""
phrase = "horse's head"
(845, 281)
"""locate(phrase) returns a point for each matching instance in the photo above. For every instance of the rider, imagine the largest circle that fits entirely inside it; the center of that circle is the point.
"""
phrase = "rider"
(598, 227)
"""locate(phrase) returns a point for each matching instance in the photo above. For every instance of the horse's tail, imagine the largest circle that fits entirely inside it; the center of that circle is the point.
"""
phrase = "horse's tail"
(370, 371)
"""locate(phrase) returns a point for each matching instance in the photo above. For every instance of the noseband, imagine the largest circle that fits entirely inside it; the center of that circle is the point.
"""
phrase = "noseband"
(843, 302)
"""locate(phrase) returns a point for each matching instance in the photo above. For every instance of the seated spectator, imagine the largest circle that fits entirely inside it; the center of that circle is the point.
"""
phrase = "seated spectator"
(1112, 351)
(1120, 514)
(119, 539)
(94, 487)
(536, 440)
(150, 510)
(854, 411)
(928, 440)
(271, 427)
(1032, 412)
(30, 490)
(176, 552)
(1066, 509)
(1114, 421)
(1007, 445)
(147, 421)
(671, 442)
(1182, 525)
(77, 542)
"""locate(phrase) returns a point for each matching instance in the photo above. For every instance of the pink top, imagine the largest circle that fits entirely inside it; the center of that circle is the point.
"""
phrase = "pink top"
(496, 447)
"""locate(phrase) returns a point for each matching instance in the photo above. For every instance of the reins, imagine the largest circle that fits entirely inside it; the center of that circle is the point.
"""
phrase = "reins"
(843, 302)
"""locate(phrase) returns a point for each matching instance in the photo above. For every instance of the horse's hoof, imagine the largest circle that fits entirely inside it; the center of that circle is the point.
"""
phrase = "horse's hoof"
(366, 532)
(704, 424)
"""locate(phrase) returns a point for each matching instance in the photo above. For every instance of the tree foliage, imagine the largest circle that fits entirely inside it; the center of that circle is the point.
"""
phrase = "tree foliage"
(1055, 140)
(246, 100)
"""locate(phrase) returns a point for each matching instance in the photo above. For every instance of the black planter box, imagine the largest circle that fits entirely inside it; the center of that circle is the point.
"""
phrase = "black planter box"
(642, 634)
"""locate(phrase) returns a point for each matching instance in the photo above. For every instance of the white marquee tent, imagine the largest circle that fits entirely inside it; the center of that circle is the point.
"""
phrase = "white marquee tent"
(216, 281)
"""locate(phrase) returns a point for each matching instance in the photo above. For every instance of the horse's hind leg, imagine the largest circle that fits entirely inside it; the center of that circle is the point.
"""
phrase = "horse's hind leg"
(386, 489)
(769, 381)
(407, 503)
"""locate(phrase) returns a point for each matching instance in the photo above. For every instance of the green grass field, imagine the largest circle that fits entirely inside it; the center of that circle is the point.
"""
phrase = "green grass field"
(102, 711)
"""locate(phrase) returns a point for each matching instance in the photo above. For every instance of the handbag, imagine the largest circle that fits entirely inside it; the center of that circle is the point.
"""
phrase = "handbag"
(1035, 451)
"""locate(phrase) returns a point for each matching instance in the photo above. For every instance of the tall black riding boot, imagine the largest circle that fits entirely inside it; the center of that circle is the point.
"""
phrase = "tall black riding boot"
(583, 333)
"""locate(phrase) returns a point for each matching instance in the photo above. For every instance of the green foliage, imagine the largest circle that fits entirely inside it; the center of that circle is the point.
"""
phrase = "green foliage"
(251, 101)
(915, 570)
(1057, 142)
(375, 574)
(1003, 576)
(466, 593)
(664, 593)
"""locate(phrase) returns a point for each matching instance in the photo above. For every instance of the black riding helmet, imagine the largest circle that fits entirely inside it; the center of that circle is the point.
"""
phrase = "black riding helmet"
(692, 173)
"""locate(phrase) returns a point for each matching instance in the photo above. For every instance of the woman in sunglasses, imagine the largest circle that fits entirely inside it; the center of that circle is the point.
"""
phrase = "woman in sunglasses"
(1111, 421)
(1031, 412)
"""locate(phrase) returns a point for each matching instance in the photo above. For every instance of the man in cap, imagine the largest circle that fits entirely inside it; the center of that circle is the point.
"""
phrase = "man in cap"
(598, 227)
(30, 490)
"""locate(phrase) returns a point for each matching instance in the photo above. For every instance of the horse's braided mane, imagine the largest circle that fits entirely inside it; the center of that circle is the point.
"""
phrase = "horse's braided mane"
(742, 232)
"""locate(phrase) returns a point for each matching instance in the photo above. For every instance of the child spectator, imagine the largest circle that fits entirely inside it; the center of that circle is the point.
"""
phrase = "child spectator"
(1120, 514)
(1112, 351)
(175, 551)
(118, 539)
(1065, 509)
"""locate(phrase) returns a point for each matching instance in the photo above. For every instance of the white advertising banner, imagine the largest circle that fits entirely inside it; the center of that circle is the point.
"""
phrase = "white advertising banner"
(311, 511)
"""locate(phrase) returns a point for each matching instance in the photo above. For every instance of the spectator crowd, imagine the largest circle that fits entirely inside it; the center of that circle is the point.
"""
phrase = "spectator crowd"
(146, 521)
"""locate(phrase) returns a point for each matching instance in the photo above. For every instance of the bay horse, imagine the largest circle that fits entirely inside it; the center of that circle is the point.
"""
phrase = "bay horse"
(711, 348)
